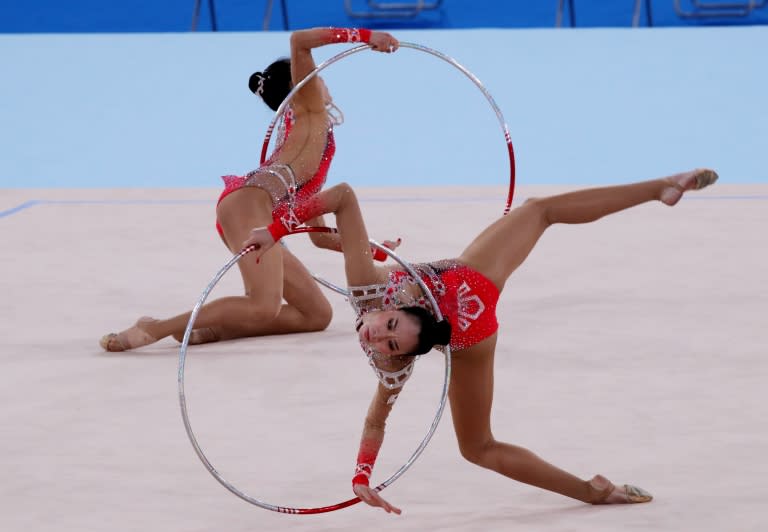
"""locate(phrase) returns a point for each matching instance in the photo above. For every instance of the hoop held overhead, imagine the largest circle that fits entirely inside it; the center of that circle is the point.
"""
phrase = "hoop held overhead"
(346, 53)
(322, 66)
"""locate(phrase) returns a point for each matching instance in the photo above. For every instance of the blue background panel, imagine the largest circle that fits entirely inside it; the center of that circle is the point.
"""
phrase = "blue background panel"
(79, 16)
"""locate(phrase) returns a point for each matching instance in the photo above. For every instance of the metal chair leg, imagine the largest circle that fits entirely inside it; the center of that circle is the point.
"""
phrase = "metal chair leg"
(638, 10)
(268, 15)
(212, 14)
(196, 15)
(561, 12)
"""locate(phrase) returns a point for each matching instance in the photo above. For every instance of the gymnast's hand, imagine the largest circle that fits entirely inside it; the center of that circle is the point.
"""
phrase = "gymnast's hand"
(381, 41)
(371, 497)
(261, 240)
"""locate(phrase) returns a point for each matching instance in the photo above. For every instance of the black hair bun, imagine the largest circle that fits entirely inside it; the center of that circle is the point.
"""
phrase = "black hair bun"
(273, 84)
(432, 332)
(442, 332)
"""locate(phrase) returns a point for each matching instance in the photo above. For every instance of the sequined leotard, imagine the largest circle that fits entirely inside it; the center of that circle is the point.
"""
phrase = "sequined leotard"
(286, 193)
(466, 298)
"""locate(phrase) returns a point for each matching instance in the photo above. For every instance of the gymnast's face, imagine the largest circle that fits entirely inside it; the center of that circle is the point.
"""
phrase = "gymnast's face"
(389, 332)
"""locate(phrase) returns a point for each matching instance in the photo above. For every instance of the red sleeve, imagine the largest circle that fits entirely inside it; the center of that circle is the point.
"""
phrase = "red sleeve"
(339, 35)
(366, 458)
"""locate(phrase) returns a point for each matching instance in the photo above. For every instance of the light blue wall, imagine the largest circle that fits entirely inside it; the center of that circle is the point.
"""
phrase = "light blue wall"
(583, 107)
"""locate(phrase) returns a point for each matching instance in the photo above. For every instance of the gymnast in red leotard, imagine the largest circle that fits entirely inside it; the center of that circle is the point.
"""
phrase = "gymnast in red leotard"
(293, 174)
(394, 322)
(284, 197)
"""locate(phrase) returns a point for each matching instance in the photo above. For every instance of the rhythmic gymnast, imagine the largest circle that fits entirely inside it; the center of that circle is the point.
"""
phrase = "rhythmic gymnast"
(394, 322)
(294, 173)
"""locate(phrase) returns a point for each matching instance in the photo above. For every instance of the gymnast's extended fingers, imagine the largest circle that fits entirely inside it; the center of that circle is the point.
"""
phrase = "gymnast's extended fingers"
(372, 498)
(382, 41)
(392, 45)
(380, 502)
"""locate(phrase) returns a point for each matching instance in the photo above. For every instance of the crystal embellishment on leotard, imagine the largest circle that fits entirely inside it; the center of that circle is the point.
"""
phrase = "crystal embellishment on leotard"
(364, 469)
(354, 35)
(279, 180)
(335, 115)
(290, 221)
(470, 306)
(279, 187)
(282, 129)
(402, 290)
(391, 380)
(360, 296)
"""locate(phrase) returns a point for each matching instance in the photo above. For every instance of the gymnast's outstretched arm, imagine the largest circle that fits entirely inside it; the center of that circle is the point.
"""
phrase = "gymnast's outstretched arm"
(370, 443)
(302, 63)
(341, 201)
(332, 241)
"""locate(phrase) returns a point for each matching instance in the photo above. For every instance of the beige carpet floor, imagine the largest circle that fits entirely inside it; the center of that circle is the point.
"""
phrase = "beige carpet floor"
(635, 347)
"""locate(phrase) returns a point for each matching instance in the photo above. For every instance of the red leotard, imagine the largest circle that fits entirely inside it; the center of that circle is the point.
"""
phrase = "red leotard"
(466, 298)
(468, 302)
(282, 207)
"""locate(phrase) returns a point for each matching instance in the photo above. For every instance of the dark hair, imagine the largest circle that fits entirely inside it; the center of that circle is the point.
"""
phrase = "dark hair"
(432, 332)
(274, 84)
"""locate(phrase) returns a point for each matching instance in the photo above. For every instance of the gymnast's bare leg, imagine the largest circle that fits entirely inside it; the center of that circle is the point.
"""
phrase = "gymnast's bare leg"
(496, 253)
(260, 308)
(500, 249)
(306, 309)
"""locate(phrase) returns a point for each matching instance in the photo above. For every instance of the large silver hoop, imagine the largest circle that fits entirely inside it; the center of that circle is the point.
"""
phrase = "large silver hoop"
(346, 53)
(285, 509)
